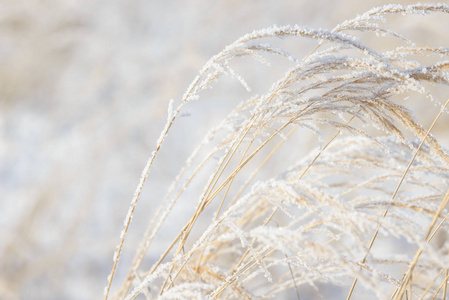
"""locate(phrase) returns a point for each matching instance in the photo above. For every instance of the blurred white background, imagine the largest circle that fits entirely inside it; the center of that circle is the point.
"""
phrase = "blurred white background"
(84, 89)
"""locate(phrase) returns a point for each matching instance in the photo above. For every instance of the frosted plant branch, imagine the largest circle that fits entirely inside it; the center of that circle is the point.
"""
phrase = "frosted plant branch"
(288, 230)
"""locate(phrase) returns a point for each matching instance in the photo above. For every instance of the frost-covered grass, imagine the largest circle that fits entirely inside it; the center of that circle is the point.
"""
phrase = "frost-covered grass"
(362, 214)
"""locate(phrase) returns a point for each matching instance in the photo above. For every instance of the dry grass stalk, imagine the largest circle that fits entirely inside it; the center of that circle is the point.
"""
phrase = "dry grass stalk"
(318, 222)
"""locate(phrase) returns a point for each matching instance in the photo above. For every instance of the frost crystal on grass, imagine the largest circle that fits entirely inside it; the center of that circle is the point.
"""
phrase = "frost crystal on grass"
(376, 176)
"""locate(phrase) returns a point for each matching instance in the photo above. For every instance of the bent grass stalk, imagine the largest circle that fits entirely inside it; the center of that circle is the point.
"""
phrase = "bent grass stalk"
(292, 231)
(407, 277)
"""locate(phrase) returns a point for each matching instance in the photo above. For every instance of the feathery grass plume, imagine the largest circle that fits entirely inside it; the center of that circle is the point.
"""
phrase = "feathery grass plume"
(363, 213)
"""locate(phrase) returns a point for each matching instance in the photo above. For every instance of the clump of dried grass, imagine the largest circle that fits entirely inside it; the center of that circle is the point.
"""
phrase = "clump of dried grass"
(331, 218)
